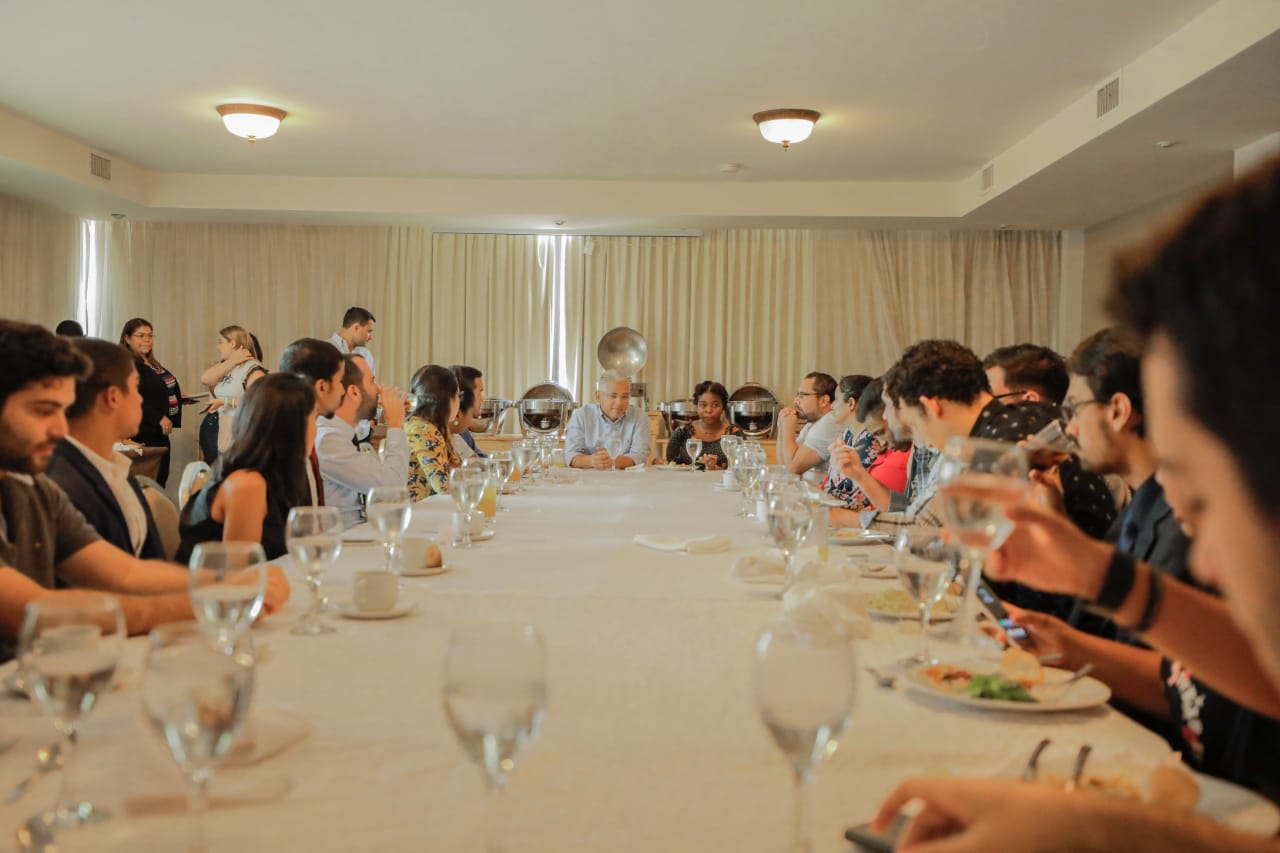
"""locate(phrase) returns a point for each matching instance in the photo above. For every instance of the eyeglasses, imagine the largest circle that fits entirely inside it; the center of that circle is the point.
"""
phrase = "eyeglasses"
(1007, 394)
(1069, 409)
(806, 394)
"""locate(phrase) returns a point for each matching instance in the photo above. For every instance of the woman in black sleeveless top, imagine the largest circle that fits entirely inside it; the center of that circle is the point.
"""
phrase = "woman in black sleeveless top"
(262, 475)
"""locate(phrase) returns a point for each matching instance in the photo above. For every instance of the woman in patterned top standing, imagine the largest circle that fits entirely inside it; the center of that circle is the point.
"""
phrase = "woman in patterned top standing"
(161, 395)
(434, 390)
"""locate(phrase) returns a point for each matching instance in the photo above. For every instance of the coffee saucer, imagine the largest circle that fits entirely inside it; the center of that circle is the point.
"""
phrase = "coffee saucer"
(424, 572)
(349, 611)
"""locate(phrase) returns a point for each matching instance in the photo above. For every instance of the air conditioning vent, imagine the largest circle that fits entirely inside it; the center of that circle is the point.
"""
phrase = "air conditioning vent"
(989, 177)
(1109, 97)
(100, 167)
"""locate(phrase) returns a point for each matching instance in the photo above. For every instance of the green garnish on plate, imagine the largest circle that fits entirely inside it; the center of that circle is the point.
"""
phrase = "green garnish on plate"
(998, 687)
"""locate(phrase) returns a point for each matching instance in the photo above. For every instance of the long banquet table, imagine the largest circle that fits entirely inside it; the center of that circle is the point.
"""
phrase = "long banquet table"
(651, 740)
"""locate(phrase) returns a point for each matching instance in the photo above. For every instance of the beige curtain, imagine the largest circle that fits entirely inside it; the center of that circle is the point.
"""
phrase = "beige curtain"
(280, 282)
(734, 305)
(39, 263)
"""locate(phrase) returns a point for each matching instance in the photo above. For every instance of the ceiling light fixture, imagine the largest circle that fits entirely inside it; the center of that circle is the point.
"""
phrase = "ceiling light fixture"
(251, 121)
(786, 126)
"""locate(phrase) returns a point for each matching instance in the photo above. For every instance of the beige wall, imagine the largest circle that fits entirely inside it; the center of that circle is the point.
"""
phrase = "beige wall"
(1102, 242)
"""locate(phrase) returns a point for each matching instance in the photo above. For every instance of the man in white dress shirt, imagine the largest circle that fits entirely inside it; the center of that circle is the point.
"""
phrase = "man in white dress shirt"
(608, 433)
(348, 473)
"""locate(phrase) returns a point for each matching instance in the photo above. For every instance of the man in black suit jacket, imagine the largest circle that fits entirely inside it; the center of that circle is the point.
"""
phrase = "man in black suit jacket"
(95, 477)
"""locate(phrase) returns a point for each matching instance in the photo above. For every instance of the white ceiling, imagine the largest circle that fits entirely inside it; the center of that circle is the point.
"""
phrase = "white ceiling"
(661, 90)
(612, 119)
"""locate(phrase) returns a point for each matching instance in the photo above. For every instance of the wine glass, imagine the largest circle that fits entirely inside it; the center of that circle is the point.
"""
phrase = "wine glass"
(615, 447)
(196, 699)
(314, 536)
(388, 508)
(504, 464)
(978, 526)
(805, 686)
(467, 486)
(747, 473)
(495, 693)
(693, 446)
(227, 583)
(533, 459)
(789, 525)
(926, 564)
(488, 504)
(68, 651)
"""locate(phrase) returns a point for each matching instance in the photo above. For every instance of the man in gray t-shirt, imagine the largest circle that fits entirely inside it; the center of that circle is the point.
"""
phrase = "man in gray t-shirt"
(42, 536)
(810, 447)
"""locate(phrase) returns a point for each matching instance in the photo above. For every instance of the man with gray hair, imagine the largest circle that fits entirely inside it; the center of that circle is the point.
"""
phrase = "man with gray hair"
(608, 433)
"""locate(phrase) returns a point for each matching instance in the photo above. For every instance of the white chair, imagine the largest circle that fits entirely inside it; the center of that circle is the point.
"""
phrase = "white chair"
(165, 513)
(194, 476)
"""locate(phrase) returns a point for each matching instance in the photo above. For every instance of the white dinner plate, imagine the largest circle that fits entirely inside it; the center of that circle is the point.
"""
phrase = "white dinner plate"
(850, 536)
(1085, 693)
(424, 572)
(348, 611)
(879, 571)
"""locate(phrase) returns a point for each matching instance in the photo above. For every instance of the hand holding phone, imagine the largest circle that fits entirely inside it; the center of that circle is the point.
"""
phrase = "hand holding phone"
(1013, 632)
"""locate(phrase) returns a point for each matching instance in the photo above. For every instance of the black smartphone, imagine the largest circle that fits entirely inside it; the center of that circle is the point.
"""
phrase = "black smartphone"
(1015, 632)
(877, 842)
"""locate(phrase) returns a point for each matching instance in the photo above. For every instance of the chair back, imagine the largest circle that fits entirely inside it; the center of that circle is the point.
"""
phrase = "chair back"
(194, 476)
(165, 513)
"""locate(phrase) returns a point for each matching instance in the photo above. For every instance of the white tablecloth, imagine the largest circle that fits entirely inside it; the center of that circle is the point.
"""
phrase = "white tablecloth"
(651, 741)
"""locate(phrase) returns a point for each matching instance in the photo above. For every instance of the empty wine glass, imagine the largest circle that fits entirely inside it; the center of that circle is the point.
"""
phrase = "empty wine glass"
(615, 447)
(533, 459)
(196, 699)
(467, 486)
(504, 464)
(730, 444)
(314, 536)
(68, 651)
(227, 583)
(805, 686)
(926, 564)
(693, 448)
(966, 468)
(495, 693)
(747, 472)
(789, 525)
(388, 508)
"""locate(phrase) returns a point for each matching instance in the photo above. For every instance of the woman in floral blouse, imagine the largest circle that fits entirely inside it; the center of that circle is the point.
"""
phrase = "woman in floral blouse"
(434, 390)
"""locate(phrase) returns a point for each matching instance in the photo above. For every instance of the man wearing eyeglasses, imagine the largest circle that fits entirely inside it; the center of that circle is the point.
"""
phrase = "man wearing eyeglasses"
(811, 445)
(1026, 372)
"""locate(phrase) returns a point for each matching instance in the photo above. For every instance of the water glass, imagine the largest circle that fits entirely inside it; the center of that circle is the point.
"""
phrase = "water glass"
(389, 508)
(805, 682)
(227, 583)
(926, 564)
(467, 486)
(68, 651)
(789, 524)
(314, 537)
(196, 699)
(730, 444)
(504, 465)
(978, 525)
(522, 459)
(693, 449)
(495, 694)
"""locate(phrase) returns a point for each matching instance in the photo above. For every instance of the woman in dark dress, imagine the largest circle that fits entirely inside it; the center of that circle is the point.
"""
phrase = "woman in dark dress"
(710, 427)
(161, 396)
(263, 473)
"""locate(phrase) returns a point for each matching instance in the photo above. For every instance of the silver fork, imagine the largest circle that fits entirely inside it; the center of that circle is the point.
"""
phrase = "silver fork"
(1081, 757)
(1033, 763)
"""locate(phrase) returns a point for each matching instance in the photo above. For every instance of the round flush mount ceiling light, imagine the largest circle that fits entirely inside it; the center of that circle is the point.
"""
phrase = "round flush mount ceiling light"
(785, 126)
(251, 121)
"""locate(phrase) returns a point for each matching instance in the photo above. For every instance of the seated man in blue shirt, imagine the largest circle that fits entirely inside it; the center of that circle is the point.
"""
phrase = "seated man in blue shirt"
(608, 433)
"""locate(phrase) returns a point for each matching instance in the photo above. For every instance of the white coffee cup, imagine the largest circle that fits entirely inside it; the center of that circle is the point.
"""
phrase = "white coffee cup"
(375, 590)
(414, 550)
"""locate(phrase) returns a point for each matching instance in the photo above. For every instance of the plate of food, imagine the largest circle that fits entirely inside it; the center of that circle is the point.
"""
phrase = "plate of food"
(896, 604)
(851, 536)
(1163, 783)
(1017, 682)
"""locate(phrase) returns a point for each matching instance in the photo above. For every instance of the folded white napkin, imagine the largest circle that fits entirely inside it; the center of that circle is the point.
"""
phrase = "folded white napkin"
(820, 602)
(695, 545)
(760, 567)
(637, 467)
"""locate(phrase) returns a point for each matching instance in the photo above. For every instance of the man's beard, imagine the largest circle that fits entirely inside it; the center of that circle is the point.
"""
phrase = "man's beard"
(28, 463)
